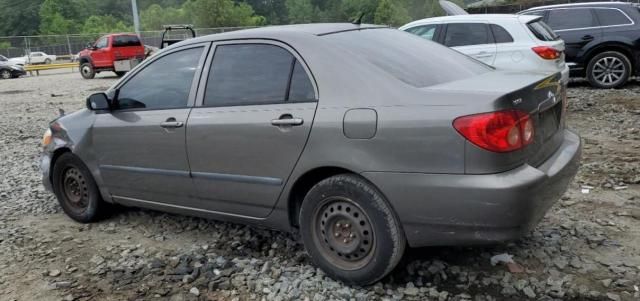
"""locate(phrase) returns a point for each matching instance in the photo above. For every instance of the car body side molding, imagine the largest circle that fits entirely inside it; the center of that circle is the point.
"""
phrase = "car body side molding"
(204, 175)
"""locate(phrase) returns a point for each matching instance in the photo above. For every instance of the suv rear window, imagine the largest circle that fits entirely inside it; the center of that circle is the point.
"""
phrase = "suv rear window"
(124, 41)
(542, 31)
(612, 16)
(407, 57)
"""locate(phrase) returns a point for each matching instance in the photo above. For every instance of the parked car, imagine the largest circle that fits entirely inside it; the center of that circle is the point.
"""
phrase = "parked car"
(34, 58)
(601, 39)
(9, 70)
(352, 134)
(115, 52)
(510, 42)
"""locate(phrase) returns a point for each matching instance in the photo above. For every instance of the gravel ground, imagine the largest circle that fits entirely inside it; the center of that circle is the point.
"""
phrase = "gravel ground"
(587, 247)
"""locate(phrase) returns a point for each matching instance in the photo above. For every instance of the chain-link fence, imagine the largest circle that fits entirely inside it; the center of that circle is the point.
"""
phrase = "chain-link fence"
(64, 46)
(515, 8)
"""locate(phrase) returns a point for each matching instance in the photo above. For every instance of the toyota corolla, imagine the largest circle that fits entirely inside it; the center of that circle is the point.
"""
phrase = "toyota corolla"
(362, 138)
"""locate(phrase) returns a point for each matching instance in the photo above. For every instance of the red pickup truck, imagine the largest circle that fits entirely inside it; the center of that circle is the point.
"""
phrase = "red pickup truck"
(115, 52)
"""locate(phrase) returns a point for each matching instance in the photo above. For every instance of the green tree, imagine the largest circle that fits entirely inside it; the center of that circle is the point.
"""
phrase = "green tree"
(53, 19)
(19, 18)
(391, 12)
(104, 24)
(155, 16)
(222, 13)
(301, 11)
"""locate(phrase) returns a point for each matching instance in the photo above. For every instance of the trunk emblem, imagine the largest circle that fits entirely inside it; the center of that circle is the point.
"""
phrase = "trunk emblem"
(517, 101)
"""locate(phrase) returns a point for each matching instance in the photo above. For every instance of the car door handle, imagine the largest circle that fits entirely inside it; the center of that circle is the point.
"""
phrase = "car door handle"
(287, 120)
(171, 123)
(587, 37)
(482, 54)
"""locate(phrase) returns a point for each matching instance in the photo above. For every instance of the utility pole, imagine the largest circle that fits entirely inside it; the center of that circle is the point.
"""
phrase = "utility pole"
(136, 21)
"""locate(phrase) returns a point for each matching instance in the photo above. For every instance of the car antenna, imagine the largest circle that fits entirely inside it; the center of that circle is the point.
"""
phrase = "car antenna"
(358, 20)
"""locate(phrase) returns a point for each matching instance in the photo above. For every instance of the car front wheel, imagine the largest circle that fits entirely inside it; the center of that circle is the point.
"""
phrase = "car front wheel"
(610, 69)
(5, 74)
(350, 231)
(87, 71)
(76, 189)
(47, 61)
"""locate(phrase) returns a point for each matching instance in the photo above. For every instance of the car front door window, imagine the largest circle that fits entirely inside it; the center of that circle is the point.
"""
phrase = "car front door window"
(426, 31)
(163, 84)
(102, 43)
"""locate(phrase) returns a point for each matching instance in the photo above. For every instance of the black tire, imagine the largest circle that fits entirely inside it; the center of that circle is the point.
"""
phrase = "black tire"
(87, 71)
(47, 61)
(76, 190)
(608, 70)
(5, 74)
(373, 242)
(120, 73)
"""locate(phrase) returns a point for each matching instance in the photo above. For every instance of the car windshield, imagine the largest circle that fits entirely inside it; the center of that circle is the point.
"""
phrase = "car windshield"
(2, 58)
(542, 31)
(407, 57)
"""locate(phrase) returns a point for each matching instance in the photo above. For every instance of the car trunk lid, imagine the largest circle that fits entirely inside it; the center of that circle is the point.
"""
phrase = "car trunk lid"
(541, 96)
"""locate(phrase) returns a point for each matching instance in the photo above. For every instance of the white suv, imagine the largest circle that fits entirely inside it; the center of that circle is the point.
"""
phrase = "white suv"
(512, 42)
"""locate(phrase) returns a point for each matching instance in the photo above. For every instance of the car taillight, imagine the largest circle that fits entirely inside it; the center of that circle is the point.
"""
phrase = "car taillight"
(502, 131)
(546, 52)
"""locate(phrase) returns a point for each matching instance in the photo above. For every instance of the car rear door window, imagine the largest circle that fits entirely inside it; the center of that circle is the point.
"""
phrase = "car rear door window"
(301, 89)
(163, 84)
(465, 34)
(253, 74)
(125, 41)
(500, 34)
(574, 18)
(424, 31)
(610, 16)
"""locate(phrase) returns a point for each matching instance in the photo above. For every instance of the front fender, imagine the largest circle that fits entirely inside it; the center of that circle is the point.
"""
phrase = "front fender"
(73, 133)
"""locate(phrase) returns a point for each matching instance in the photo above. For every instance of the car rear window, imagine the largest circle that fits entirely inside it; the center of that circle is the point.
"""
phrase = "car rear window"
(124, 41)
(542, 31)
(407, 57)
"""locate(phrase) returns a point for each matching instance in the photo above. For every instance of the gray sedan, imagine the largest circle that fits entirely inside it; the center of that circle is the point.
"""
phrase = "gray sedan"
(363, 138)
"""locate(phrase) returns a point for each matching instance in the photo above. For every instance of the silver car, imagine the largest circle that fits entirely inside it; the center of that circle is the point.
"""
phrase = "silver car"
(363, 138)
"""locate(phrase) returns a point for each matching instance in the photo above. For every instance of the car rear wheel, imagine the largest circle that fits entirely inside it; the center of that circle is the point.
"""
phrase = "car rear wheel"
(350, 231)
(120, 73)
(76, 189)
(5, 74)
(87, 71)
(610, 69)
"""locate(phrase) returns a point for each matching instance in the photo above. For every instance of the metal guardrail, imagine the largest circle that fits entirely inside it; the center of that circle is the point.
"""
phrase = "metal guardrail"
(38, 68)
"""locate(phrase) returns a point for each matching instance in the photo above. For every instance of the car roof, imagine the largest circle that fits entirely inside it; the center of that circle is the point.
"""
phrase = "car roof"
(474, 17)
(583, 4)
(280, 31)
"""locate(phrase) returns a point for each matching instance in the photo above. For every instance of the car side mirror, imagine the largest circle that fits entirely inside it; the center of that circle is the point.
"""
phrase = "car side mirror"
(98, 101)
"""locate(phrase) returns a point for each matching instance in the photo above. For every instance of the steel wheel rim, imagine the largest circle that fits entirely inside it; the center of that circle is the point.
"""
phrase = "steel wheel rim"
(5, 74)
(86, 70)
(75, 189)
(344, 233)
(608, 70)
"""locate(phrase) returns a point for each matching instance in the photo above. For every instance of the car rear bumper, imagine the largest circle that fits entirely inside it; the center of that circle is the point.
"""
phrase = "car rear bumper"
(565, 74)
(463, 209)
(45, 164)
